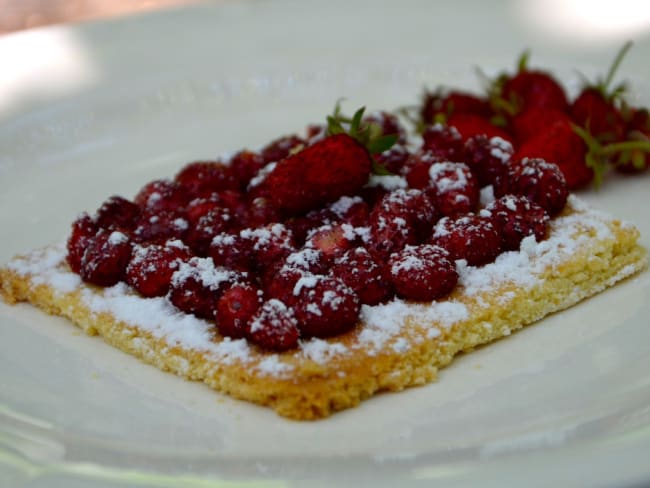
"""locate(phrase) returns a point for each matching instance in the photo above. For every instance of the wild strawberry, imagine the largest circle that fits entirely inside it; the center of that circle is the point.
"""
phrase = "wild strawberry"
(325, 306)
(117, 213)
(151, 267)
(436, 105)
(197, 285)
(558, 143)
(202, 178)
(350, 210)
(198, 207)
(283, 283)
(281, 148)
(267, 244)
(443, 142)
(363, 274)
(237, 203)
(417, 168)
(244, 165)
(393, 159)
(158, 226)
(236, 308)
(516, 217)
(261, 212)
(487, 158)
(453, 188)
(84, 229)
(471, 237)
(200, 235)
(332, 240)
(274, 327)
(329, 169)
(162, 195)
(303, 225)
(231, 250)
(401, 217)
(529, 88)
(105, 258)
(422, 273)
(469, 125)
(541, 182)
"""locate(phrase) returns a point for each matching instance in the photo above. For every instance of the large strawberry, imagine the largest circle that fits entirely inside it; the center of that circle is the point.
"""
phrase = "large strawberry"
(596, 108)
(323, 172)
(468, 125)
(437, 106)
(558, 143)
(527, 88)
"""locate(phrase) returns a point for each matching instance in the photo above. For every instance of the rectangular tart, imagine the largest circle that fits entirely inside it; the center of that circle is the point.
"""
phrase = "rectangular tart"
(395, 345)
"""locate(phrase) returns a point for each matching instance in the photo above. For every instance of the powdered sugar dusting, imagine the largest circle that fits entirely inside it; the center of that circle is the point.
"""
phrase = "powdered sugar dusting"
(382, 325)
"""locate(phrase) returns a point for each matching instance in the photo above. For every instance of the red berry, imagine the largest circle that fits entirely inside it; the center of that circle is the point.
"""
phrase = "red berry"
(202, 178)
(468, 125)
(83, 230)
(162, 195)
(214, 222)
(327, 170)
(453, 188)
(197, 285)
(516, 217)
(232, 251)
(531, 122)
(364, 275)
(541, 182)
(198, 207)
(532, 88)
(417, 168)
(559, 144)
(160, 226)
(281, 148)
(332, 240)
(435, 104)
(105, 258)
(488, 158)
(471, 237)
(401, 217)
(244, 165)
(393, 159)
(350, 210)
(325, 306)
(442, 141)
(236, 308)
(268, 244)
(151, 267)
(422, 272)
(274, 327)
(117, 213)
(598, 115)
(261, 212)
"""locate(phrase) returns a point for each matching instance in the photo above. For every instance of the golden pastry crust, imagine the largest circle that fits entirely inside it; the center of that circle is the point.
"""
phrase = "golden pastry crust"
(395, 346)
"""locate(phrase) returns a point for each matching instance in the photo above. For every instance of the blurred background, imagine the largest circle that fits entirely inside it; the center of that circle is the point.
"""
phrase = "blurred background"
(17, 15)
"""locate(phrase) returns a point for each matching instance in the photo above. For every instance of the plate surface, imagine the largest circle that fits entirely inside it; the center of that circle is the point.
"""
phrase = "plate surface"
(100, 109)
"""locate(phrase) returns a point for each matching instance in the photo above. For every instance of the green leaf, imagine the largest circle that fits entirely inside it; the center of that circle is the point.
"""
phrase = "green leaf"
(355, 124)
(380, 169)
(381, 144)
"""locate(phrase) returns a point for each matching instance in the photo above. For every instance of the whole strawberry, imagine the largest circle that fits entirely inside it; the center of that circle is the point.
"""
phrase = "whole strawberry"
(528, 88)
(597, 107)
(329, 169)
(558, 143)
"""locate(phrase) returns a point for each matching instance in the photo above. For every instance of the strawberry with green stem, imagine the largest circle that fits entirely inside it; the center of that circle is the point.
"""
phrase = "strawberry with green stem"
(597, 110)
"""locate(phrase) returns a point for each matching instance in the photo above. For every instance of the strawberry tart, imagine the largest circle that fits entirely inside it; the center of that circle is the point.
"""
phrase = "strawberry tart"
(324, 268)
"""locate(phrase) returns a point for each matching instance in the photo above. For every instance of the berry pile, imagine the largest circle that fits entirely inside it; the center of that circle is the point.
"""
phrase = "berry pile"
(585, 137)
(288, 242)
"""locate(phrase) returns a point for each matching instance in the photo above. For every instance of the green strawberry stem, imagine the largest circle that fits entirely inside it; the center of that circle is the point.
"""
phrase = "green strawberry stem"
(604, 85)
(617, 147)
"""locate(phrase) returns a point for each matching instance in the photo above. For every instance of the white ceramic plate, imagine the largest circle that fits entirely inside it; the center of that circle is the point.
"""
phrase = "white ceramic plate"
(99, 109)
